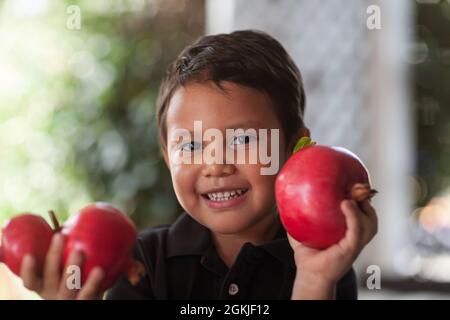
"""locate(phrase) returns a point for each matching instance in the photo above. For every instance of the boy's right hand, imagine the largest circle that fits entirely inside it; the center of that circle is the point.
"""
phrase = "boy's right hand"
(52, 283)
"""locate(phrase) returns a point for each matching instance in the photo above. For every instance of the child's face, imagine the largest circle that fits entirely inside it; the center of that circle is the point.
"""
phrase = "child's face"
(194, 184)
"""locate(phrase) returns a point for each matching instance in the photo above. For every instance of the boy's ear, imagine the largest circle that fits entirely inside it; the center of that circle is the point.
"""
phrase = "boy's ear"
(306, 132)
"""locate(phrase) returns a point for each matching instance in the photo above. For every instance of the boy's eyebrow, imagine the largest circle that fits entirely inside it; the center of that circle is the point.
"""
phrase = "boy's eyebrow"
(240, 125)
(245, 124)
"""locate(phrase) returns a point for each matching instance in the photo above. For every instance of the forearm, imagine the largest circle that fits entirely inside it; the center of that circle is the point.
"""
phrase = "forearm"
(310, 289)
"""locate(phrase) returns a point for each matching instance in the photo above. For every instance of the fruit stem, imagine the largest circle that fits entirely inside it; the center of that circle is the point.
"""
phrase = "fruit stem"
(54, 219)
(362, 191)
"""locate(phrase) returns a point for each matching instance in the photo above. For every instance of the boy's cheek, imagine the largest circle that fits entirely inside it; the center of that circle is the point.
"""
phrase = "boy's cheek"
(183, 174)
(184, 186)
(175, 159)
(259, 181)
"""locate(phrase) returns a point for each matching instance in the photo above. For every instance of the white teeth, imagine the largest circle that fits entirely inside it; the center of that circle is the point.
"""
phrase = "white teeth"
(227, 195)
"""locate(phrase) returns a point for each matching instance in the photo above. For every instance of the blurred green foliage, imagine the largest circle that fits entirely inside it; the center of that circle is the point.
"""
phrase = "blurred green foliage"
(431, 59)
(77, 106)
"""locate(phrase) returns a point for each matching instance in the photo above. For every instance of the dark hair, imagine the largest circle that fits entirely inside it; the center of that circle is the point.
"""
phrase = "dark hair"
(249, 58)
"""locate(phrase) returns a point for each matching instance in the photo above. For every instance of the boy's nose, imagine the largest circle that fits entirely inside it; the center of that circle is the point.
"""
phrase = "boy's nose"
(218, 170)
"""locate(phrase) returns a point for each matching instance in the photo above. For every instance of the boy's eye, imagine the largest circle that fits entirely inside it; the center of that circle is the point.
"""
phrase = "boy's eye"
(243, 139)
(190, 146)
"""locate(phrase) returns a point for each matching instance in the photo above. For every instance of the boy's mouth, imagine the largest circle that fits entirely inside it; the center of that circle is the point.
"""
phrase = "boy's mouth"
(224, 195)
(225, 198)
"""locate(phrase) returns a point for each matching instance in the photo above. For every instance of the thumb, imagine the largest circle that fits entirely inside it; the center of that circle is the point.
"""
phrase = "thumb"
(294, 243)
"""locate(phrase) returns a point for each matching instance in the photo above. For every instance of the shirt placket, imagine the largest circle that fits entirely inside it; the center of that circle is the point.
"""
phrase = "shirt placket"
(236, 283)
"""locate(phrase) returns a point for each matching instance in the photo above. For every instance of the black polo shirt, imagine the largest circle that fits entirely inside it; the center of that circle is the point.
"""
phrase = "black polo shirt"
(181, 262)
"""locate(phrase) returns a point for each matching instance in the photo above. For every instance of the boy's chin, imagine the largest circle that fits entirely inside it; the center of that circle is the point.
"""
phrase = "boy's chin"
(228, 227)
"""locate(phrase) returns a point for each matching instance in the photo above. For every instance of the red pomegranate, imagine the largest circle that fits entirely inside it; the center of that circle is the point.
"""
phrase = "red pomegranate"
(105, 236)
(25, 234)
(309, 190)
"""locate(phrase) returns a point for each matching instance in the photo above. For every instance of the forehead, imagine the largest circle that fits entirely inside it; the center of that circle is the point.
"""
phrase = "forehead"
(237, 106)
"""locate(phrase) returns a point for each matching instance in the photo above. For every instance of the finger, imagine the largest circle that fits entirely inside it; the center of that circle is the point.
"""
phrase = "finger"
(300, 250)
(367, 208)
(297, 245)
(294, 243)
(91, 288)
(52, 269)
(28, 273)
(352, 214)
(371, 221)
(69, 287)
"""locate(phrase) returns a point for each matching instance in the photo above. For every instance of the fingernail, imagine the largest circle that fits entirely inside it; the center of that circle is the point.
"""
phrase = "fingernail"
(79, 254)
(346, 202)
(57, 238)
(98, 272)
(27, 258)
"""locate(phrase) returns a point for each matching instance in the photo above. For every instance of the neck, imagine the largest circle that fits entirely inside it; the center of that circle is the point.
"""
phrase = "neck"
(229, 245)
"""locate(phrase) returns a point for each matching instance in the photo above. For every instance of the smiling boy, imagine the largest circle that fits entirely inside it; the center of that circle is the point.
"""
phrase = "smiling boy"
(229, 242)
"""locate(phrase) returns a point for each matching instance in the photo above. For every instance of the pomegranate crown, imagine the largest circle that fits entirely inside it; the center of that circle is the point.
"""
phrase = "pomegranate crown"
(303, 142)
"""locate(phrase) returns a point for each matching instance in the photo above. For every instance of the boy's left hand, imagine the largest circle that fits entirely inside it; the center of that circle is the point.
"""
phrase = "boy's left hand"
(318, 271)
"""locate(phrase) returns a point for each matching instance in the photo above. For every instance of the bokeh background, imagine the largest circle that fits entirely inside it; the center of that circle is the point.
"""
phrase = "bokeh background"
(79, 80)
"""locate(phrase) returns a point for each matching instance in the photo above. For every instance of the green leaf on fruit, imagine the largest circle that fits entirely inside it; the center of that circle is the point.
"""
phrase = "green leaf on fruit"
(303, 142)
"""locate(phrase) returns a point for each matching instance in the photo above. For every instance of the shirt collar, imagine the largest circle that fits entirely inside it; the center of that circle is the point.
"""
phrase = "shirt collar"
(189, 237)
(280, 248)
